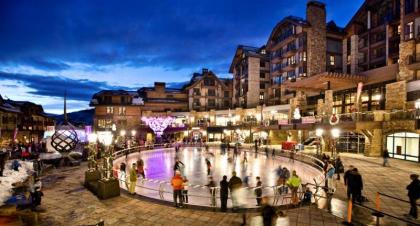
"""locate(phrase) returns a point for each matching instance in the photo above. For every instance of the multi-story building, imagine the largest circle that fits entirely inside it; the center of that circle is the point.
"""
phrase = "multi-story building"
(302, 47)
(160, 98)
(116, 107)
(251, 76)
(206, 92)
(362, 80)
(22, 120)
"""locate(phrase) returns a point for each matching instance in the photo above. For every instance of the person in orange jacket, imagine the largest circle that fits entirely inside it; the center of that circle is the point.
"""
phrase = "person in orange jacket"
(177, 185)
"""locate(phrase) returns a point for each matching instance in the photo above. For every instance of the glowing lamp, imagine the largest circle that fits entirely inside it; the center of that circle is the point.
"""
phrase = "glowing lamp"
(335, 132)
(319, 132)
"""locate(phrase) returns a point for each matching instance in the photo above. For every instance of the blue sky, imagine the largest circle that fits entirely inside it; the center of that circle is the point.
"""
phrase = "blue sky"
(85, 46)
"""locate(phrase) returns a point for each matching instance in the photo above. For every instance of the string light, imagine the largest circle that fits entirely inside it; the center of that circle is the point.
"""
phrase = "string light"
(158, 124)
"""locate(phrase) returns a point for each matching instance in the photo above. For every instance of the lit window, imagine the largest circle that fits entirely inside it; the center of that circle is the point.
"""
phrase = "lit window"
(409, 30)
(109, 110)
(121, 110)
(261, 96)
(332, 60)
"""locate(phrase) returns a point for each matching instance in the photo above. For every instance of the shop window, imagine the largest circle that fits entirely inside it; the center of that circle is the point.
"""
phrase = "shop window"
(404, 145)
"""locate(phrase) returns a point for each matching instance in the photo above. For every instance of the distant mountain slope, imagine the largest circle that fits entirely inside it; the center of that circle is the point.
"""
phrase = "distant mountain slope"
(83, 117)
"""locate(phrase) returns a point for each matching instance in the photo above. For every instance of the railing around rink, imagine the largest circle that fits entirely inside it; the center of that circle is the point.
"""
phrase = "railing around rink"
(163, 191)
(275, 195)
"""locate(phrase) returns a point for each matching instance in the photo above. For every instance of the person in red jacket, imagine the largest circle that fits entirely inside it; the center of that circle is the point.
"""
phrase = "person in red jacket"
(177, 185)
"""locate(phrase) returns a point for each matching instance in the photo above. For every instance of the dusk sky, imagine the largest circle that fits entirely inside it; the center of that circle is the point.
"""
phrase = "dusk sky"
(86, 46)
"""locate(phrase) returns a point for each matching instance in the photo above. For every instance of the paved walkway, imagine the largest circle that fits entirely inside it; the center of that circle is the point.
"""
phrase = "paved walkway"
(388, 180)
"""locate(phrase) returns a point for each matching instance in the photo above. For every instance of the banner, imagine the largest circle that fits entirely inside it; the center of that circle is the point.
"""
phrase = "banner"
(15, 134)
(358, 94)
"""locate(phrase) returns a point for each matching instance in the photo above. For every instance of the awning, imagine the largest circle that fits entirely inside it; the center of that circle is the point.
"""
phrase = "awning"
(336, 81)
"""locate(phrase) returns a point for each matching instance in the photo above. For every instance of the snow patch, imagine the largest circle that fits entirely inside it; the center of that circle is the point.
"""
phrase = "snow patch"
(10, 177)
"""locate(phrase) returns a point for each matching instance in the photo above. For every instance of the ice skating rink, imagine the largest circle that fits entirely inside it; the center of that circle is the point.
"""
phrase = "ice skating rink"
(159, 165)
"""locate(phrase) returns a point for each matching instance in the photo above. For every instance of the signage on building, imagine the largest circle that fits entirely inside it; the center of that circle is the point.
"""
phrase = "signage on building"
(308, 120)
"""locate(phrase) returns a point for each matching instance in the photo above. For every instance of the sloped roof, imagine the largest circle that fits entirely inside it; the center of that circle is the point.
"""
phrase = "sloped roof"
(248, 51)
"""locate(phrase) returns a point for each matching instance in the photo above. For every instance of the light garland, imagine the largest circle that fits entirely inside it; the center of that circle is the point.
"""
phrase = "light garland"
(158, 124)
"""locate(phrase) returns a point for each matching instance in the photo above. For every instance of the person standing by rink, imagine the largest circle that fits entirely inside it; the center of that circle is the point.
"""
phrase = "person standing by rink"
(294, 183)
(258, 191)
(133, 179)
(176, 183)
(235, 183)
(413, 194)
(212, 188)
(339, 167)
(347, 178)
(355, 184)
(224, 193)
(123, 175)
(185, 190)
(140, 168)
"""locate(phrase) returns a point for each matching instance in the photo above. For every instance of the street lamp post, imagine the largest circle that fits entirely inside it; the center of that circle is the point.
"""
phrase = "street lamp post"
(319, 133)
(335, 132)
(93, 139)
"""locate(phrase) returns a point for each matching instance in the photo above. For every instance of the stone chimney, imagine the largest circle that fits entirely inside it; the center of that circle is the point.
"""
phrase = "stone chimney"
(160, 87)
(316, 37)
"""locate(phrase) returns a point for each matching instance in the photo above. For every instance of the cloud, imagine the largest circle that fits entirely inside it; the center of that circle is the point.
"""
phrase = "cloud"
(54, 86)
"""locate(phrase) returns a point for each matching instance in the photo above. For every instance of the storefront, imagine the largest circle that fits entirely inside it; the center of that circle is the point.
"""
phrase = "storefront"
(351, 142)
(404, 145)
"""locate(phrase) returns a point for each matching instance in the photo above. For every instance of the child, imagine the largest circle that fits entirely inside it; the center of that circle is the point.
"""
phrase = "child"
(307, 196)
(185, 190)
(161, 190)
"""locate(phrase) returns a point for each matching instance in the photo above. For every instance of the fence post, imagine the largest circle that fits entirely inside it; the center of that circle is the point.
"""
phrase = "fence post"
(349, 212)
(378, 202)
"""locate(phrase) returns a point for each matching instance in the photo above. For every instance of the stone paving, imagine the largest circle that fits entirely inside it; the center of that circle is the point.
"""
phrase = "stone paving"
(67, 202)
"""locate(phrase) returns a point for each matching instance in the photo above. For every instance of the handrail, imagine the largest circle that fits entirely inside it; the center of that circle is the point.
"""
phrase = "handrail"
(392, 197)
(386, 214)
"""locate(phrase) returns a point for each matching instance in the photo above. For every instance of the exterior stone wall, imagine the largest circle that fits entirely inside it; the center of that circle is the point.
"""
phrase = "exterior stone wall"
(316, 36)
(396, 95)
(374, 149)
(407, 48)
(253, 93)
(354, 54)
(325, 107)
(345, 56)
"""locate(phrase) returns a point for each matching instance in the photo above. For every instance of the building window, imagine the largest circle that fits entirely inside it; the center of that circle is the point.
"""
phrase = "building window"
(261, 95)
(332, 60)
(107, 100)
(262, 64)
(226, 103)
(409, 30)
(211, 92)
(409, 6)
(196, 102)
(209, 82)
(211, 103)
(262, 74)
(121, 110)
(196, 91)
(263, 51)
(110, 110)
(302, 71)
(302, 56)
(226, 94)
(262, 85)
